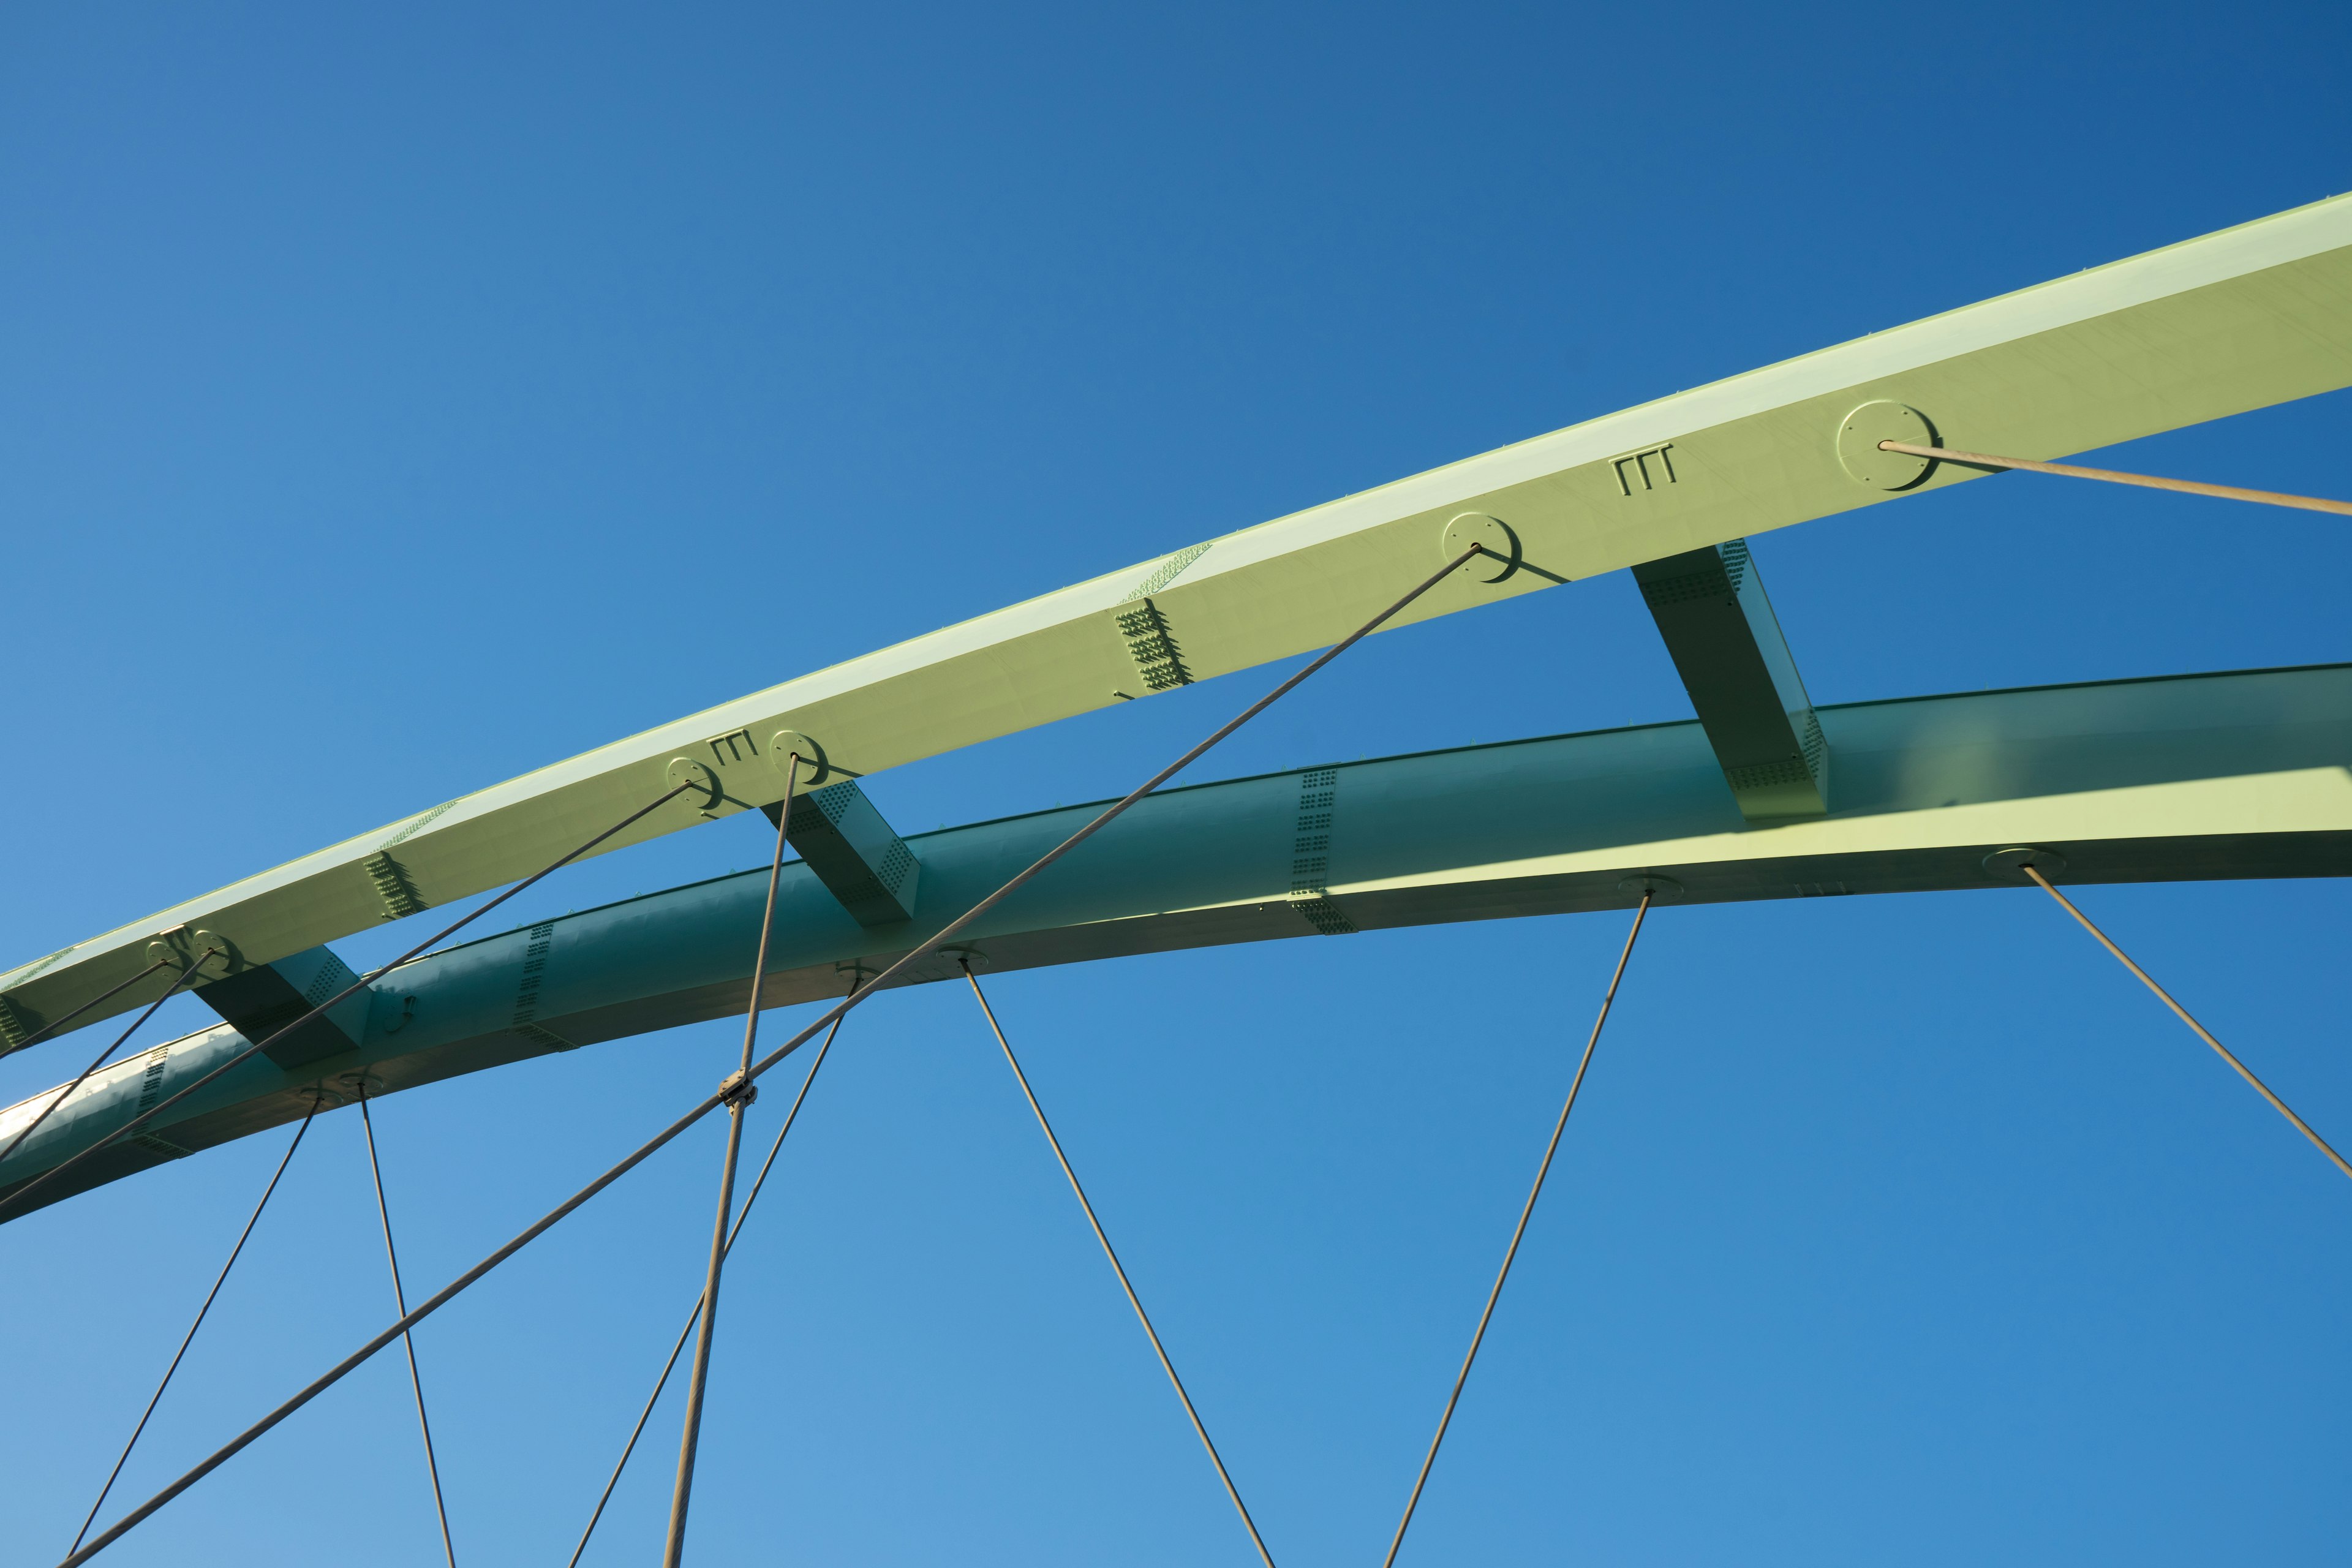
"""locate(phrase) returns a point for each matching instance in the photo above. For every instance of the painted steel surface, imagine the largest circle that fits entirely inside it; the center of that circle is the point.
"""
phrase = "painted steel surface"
(2245, 774)
(2242, 319)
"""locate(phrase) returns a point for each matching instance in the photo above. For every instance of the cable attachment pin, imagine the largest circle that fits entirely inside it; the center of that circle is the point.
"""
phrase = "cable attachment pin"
(736, 1092)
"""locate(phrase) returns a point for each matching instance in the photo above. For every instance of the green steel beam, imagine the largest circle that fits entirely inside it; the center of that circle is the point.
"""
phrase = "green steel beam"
(2242, 319)
(1726, 646)
(2200, 776)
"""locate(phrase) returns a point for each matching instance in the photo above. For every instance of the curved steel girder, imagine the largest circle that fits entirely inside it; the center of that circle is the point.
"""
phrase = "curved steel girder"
(2245, 774)
(2239, 319)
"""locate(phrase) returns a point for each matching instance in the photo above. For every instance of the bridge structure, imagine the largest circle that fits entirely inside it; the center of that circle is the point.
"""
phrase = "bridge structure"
(1765, 794)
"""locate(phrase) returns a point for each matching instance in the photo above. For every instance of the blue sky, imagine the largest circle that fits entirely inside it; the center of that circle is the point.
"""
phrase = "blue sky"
(395, 402)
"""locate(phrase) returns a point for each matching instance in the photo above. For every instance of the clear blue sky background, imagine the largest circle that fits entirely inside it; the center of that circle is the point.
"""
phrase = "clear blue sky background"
(393, 402)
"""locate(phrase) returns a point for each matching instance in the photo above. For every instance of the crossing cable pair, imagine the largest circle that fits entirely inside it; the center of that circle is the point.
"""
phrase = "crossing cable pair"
(735, 1085)
(190, 1337)
(695, 1316)
(739, 1092)
(109, 995)
(363, 983)
(96, 1061)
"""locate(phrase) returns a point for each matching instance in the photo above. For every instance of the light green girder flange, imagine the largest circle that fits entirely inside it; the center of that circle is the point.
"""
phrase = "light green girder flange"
(2239, 320)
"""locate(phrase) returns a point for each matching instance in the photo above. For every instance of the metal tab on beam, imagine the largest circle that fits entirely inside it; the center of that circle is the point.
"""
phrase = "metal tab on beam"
(1726, 646)
(258, 1001)
(853, 852)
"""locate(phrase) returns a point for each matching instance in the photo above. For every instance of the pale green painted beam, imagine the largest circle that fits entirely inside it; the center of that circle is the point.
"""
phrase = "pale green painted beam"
(2249, 317)
(2202, 776)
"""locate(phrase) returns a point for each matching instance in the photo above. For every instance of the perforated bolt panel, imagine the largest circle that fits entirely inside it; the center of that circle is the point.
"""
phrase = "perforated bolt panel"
(1310, 852)
(1721, 579)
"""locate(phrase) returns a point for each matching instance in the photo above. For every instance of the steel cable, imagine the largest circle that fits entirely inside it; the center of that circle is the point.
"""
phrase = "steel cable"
(400, 1300)
(738, 1105)
(370, 978)
(1200, 1428)
(94, 1062)
(190, 1337)
(1526, 1213)
(695, 1316)
(2117, 477)
(661, 1139)
(2203, 1034)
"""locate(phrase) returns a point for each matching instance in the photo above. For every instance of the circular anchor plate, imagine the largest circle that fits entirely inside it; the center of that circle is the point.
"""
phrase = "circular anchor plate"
(178, 946)
(785, 745)
(2008, 865)
(1660, 887)
(1490, 533)
(1860, 432)
(705, 790)
(344, 1089)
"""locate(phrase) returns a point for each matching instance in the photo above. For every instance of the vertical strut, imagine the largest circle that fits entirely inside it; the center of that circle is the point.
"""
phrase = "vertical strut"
(740, 1093)
(1609, 996)
(400, 1299)
(2203, 1034)
(1198, 1428)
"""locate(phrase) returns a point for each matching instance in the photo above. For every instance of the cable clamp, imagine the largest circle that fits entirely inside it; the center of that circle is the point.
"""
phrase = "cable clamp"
(736, 1092)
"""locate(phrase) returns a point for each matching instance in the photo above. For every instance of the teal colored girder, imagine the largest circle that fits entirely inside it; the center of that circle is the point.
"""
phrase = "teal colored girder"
(2246, 775)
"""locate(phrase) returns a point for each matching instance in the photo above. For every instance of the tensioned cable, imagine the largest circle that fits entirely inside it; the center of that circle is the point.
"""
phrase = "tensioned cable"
(370, 978)
(96, 1061)
(659, 1141)
(1639, 913)
(739, 1104)
(46, 1030)
(2117, 477)
(190, 1337)
(400, 1299)
(695, 1316)
(2203, 1034)
(1198, 1428)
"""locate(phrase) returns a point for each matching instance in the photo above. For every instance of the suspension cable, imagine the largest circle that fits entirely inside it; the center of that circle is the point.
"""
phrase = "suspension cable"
(190, 1337)
(695, 1316)
(1200, 1429)
(400, 1299)
(1608, 997)
(739, 1104)
(646, 1149)
(46, 1030)
(2116, 477)
(94, 1062)
(2203, 1034)
(370, 978)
